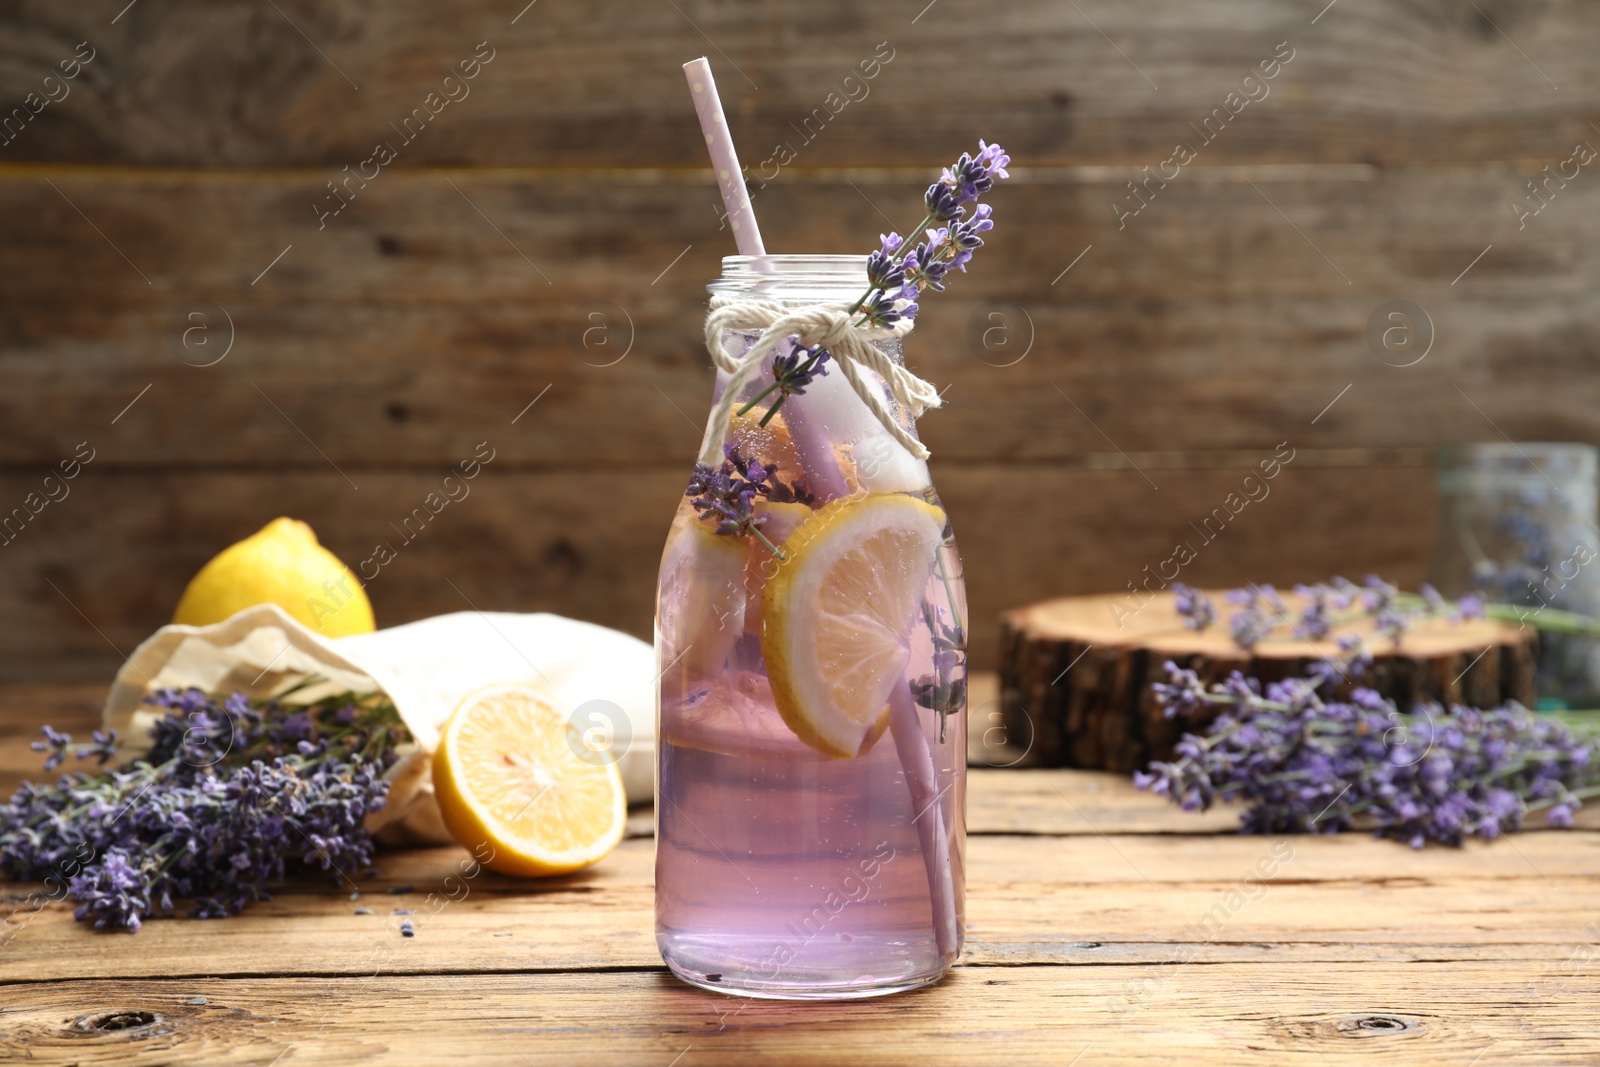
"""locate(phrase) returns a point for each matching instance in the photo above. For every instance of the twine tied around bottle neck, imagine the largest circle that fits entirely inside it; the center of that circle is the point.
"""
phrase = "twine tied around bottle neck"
(830, 326)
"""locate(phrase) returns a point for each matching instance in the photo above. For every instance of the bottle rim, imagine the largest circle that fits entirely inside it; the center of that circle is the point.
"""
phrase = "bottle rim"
(798, 279)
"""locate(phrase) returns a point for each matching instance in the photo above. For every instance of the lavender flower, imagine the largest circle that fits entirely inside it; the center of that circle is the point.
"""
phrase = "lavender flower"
(1305, 765)
(1352, 663)
(1249, 627)
(55, 742)
(972, 176)
(1195, 607)
(726, 495)
(883, 272)
(795, 492)
(791, 373)
(796, 370)
(1378, 595)
(924, 267)
(229, 796)
(943, 202)
(119, 892)
(1314, 621)
(883, 310)
(1358, 658)
(104, 749)
(1183, 694)
(944, 691)
(964, 235)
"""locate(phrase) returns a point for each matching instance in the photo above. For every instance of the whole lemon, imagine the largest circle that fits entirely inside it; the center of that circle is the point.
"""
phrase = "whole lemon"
(281, 564)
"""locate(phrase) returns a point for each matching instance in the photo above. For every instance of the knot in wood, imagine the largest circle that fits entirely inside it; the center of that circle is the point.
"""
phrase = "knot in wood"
(117, 1021)
(1374, 1025)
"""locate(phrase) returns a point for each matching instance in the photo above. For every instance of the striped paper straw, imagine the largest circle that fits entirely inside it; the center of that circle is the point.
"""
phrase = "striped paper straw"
(724, 160)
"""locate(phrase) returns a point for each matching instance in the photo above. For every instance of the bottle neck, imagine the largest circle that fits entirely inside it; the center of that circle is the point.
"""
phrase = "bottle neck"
(839, 438)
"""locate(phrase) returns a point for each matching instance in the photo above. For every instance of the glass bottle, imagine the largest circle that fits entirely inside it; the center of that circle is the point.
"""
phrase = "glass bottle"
(1517, 525)
(791, 860)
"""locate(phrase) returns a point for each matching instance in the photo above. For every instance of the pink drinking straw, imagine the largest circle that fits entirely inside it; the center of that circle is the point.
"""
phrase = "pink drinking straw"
(724, 160)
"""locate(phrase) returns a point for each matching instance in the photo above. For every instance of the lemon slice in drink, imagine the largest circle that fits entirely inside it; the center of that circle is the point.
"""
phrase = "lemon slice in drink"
(701, 598)
(760, 564)
(513, 789)
(771, 444)
(837, 617)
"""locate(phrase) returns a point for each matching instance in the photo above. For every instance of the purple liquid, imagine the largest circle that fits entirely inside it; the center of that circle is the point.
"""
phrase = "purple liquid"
(780, 871)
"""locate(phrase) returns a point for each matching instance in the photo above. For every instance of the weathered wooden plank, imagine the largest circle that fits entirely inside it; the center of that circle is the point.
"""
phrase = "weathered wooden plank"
(1077, 854)
(409, 329)
(586, 542)
(1078, 898)
(608, 925)
(1433, 1014)
(236, 84)
(24, 707)
(538, 541)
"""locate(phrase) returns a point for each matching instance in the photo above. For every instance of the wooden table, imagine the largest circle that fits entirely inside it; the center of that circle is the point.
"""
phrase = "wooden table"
(1105, 928)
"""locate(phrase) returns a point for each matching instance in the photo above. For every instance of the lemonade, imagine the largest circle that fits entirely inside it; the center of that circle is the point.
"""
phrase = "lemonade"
(810, 633)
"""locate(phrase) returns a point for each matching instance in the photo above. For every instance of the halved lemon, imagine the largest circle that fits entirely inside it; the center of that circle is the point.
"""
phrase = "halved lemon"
(837, 618)
(513, 789)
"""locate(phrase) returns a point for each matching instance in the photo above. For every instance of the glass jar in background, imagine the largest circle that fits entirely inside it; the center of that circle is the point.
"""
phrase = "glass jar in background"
(1517, 525)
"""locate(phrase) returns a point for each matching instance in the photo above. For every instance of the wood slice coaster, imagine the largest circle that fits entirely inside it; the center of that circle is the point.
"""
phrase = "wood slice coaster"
(1075, 673)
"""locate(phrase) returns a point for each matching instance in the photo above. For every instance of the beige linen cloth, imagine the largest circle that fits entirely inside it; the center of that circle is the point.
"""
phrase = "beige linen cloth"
(606, 677)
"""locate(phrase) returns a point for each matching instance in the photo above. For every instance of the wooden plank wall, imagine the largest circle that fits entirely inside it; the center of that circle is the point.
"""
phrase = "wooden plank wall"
(1105, 408)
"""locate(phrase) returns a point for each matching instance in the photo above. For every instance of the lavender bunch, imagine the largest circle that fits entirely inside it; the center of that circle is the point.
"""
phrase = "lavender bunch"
(897, 271)
(231, 796)
(727, 494)
(1262, 614)
(1305, 765)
